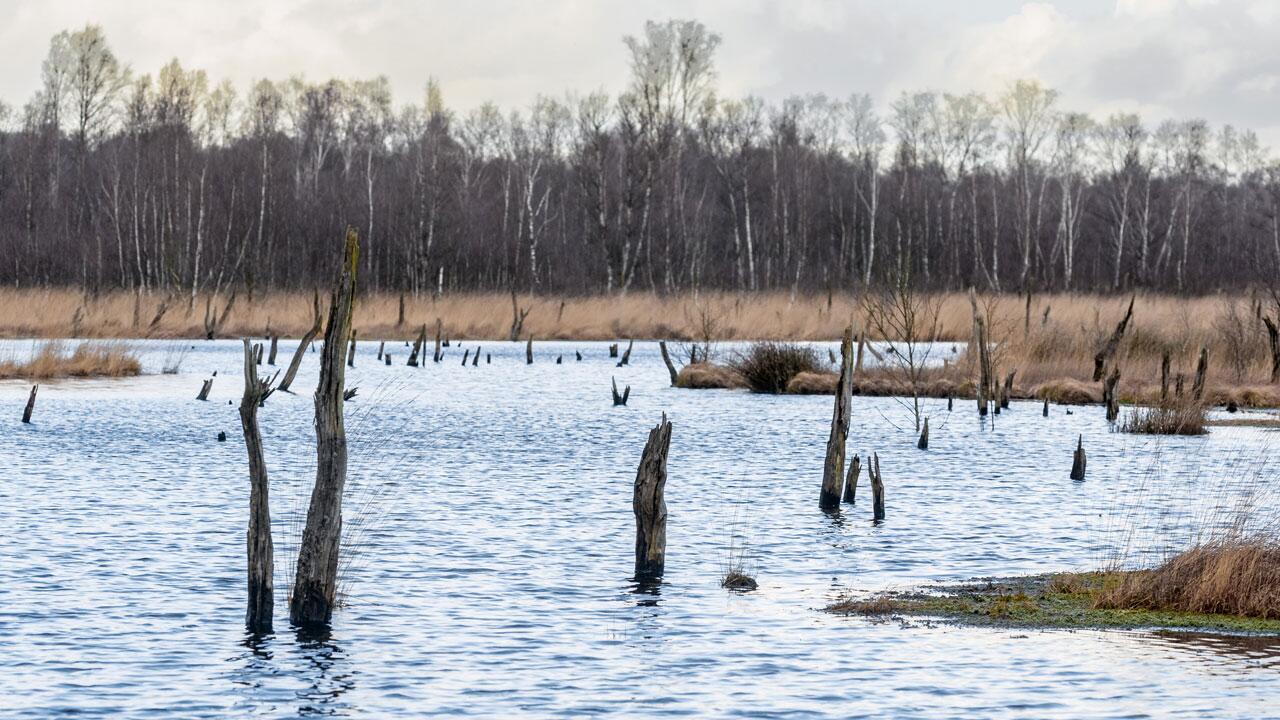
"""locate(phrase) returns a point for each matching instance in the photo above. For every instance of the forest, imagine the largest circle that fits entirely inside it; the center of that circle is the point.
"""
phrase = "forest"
(111, 178)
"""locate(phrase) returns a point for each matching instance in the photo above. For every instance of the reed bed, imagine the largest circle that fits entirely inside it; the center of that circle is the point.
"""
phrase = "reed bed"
(52, 360)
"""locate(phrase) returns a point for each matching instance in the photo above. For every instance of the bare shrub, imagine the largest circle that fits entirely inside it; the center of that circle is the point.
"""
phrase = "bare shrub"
(767, 367)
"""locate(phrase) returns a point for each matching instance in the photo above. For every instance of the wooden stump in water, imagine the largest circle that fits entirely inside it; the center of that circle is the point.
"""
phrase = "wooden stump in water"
(649, 505)
(386, 358)
(307, 339)
(833, 468)
(1202, 368)
(349, 393)
(528, 351)
(257, 354)
(923, 443)
(488, 359)
(626, 355)
(271, 357)
(851, 480)
(1109, 394)
(577, 355)
(466, 356)
(1007, 391)
(418, 343)
(439, 355)
(613, 350)
(31, 404)
(620, 399)
(351, 351)
(206, 386)
(666, 359)
(475, 359)
(559, 359)
(950, 403)
(1164, 376)
(1078, 460)
(316, 580)
(258, 615)
(1045, 411)
(382, 346)
(877, 487)
(831, 356)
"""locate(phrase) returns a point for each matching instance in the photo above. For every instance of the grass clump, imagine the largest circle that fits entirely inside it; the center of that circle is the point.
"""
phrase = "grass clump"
(708, 376)
(1186, 417)
(767, 367)
(89, 359)
(1239, 577)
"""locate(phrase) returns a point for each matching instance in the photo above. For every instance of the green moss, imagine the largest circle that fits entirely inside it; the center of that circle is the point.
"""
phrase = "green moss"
(1042, 601)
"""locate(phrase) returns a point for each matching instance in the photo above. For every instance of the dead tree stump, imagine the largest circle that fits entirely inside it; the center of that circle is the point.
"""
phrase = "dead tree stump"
(1108, 351)
(851, 480)
(382, 346)
(528, 351)
(626, 355)
(206, 386)
(1007, 390)
(316, 580)
(559, 359)
(351, 351)
(257, 354)
(1045, 412)
(877, 487)
(577, 355)
(1078, 461)
(923, 443)
(418, 344)
(666, 359)
(475, 359)
(31, 404)
(307, 339)
(1273, 343)
(620, 399)
(439, 354)
(271, 357)
(649, 505)
(466, 356)
(833, 468)
(613, 350)
(1202, 368)
(258, 614)
(386, 359)
(1109, 394)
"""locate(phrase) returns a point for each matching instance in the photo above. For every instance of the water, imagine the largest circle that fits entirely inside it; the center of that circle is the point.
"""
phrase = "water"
(490, 512)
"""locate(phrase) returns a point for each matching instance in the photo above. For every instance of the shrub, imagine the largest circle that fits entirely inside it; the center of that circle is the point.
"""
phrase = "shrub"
(767, 367)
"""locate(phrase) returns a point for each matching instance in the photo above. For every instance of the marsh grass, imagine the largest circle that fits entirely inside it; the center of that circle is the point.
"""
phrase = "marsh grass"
(1180, 417)
(738, 569)
(53, 360)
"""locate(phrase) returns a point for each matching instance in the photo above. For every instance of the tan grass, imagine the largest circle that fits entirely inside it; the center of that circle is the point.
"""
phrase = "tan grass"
(1240, 577)
(51, 360)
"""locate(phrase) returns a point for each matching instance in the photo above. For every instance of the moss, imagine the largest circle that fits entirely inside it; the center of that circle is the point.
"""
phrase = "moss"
(1042, 601)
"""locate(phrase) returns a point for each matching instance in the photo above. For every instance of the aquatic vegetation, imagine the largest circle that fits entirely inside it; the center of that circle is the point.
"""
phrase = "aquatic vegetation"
(51, 360)
(768, 366)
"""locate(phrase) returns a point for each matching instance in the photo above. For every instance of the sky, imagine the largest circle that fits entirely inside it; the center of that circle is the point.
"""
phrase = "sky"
(1213, 59)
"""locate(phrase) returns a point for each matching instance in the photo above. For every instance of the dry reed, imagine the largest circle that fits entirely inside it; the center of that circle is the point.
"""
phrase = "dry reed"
(51, 360)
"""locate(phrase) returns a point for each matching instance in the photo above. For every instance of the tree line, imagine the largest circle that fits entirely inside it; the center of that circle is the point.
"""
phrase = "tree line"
(111, 179)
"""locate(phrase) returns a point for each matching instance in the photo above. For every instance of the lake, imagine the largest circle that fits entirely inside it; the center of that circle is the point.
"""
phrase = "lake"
(490, 546)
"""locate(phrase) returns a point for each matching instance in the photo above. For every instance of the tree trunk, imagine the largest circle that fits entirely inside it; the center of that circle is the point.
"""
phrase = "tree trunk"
(315, 585)
(666, 358)
(833, 469)
(271, 357)
(1078, 460)
(260, 551)
(851, 480)
(205, 387)
(307, 339)
(1273, 342)
(31, 404)
(1202, 368)
(649, 505)
(877, 487)
(1108, 351)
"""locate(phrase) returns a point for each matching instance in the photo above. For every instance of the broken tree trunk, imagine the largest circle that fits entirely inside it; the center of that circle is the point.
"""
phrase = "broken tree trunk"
(666, 358)
(923, 444)
(418, 344)
(351, 351)
(1045, 411)
(261, 562)
(1007, 390)
(613, 350)
(1164, 377)
(649, 505)
(466, 356)
(475, 359)
(400, 315)
(851, 480)
(620, 399)
(833, 469)
(1108, 351)
(31, 404)
(1109, 394)
(877, 487)
(439, 354)
(626, 355)
(1078, 460)
(307, 339)
(1273, 342)
(205, 387)
(518, 315)
(316, 580)
(1202, 368)
(983, 391)
(528, 351)
(382, 347)
(271, 357)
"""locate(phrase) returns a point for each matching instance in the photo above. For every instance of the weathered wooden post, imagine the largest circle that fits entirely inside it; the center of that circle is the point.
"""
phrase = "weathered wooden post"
(271, 357)
(577, 355)
(619, 399)
(1202, 368)
(351, 351)
(315, 583)
(1164, 376)
(31, 405)
(923, 443)
(833, 468)
(1109, 394)
(613, 350)
(258, 616)
(1078, 460)
(626, 356)
(851, 480)
(386, 359)
(877, 487)
(205, 387)
(666, 359)
(1045, 412)
(475, 359)
(1108, 351)
(528, 351)
(466, 356)
(418, 344)
(382, 346)
(307, 339)
(649, 505)
(831, 356)
(439, 354)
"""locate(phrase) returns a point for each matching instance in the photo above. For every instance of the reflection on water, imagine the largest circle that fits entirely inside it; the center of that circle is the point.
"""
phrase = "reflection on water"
(489, 532)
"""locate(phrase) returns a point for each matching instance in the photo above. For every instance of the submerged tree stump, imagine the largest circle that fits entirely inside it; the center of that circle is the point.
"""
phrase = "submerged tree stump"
(31, 404)
(351, 351)
(833, 468)
(316, 580)
(1109, 394)
(307, 339)
(626, 356)
(386, 359)
(1078, 460)
(418, 344)
(877, 487)
(439, 354)
(851, 480)
(577, 355)
(528, 351)
(923, 443)
(1202, 369)
(1007, 390)
(1045, 411)
(666, 359)
(382, 346)
(258, 615)
(275, 342)
(619, 399)
(475, 359)
(649, 505)
(206, 386)
(613, 350)
(466, 356)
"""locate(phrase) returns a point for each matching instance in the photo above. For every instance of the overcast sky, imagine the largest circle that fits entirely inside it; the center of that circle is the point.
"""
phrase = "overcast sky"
(1215, 59)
